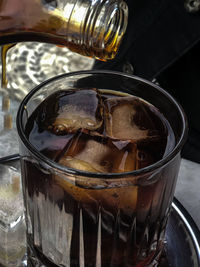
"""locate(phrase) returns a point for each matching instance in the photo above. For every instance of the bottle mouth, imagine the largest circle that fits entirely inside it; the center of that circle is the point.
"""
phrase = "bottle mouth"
(106, 27)
(116, 28)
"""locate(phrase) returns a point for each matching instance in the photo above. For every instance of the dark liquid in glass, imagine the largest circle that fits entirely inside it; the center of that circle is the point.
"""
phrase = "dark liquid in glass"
(82, 224)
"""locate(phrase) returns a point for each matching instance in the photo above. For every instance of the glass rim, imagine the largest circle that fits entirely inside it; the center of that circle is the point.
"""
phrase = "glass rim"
(60, 168)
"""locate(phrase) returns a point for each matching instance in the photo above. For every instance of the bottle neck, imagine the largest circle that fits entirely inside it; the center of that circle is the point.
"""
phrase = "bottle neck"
(105, 27)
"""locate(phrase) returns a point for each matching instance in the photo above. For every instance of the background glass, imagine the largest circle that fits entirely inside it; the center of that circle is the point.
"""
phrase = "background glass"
(64, 236)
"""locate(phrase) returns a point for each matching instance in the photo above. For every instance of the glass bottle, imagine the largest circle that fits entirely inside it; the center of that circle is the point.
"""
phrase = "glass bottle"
(92, 28)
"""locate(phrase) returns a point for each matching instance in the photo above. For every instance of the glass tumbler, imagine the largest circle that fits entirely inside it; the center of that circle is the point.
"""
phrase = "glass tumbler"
(83, 218)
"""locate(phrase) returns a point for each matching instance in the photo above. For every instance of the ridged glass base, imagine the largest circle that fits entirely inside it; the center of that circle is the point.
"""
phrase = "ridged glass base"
(35, 259)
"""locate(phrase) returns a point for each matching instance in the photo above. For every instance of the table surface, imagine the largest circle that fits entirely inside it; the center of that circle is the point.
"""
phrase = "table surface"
(188, 188)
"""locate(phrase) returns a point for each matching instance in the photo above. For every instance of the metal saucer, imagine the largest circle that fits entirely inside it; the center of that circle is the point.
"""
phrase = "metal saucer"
(182, 247)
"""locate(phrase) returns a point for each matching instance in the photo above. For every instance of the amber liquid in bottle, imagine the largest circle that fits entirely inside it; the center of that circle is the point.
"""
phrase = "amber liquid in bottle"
(90, 28)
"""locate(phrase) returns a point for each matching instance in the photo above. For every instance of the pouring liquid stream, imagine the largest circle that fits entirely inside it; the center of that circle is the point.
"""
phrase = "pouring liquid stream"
(4, 50)
(5, 98)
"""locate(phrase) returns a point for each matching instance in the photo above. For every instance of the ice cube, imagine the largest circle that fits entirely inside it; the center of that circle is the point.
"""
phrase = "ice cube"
(100, 155)
(123, 196)
(77, 164)
(103, 155)
(88, 153)
(135, 157)
(70, 110)
(130, 118)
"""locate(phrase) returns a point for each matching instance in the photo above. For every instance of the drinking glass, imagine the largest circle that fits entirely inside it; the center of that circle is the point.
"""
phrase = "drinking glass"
(80, 218)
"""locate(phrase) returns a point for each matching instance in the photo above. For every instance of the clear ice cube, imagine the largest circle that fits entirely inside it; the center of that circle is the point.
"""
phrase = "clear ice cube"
(119, 197)
(102, 155)
(129, 118)
(70, 110)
